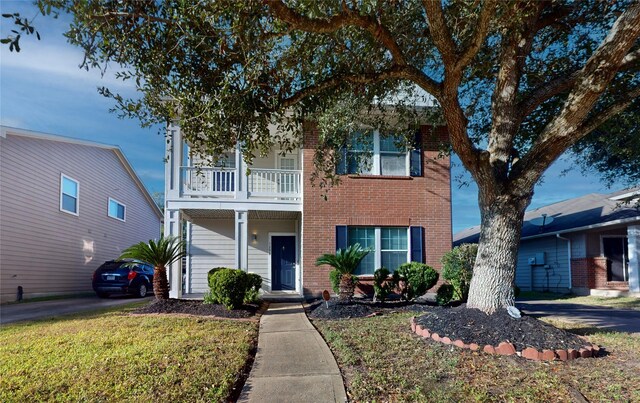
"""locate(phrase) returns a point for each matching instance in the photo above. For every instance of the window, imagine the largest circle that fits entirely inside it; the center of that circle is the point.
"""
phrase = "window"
(389, 247)
(69, 194)
(116, 209)
(371, 153)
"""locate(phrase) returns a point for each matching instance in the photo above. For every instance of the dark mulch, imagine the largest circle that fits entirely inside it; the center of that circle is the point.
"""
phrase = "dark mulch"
(361, 309)
(194, 307)
(474, 326)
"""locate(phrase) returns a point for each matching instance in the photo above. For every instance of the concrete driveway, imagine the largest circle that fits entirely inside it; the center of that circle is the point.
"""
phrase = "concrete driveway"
(621, 320)
(46, 309)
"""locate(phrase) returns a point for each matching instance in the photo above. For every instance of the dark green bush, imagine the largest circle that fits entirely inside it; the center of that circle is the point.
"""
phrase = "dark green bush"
(254, 283)
(445, 294)
(228, 287)
(382, 284)
(214, 270)
(457, 269)
(334, 278)
(414, 279)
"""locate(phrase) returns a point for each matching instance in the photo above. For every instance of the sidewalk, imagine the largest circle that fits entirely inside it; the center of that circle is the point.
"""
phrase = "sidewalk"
(293, 363)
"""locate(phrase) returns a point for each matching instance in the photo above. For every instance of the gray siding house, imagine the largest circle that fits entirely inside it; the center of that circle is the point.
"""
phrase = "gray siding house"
(66, 206)
(586, 245)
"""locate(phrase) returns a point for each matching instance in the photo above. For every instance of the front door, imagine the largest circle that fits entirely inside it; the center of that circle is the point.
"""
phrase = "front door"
(283, 263)
(616, 252)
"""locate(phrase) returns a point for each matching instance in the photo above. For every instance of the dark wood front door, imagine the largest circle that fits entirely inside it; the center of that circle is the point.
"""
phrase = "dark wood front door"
(616, 252)
(283, 263)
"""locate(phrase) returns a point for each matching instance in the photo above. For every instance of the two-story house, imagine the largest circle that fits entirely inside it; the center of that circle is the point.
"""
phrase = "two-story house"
(271, 220)
(66, 206)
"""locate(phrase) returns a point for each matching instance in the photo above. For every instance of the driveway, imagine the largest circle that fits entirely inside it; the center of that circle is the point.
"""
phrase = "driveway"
(46, 309)
(622, 320)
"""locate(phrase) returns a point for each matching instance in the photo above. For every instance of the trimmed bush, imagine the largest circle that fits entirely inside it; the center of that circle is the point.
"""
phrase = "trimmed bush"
(382, 284)
(334, 278)
(229, 287)
(414, 279)
(445, 294)
(457, 269)
(254, 283)
(214, 270)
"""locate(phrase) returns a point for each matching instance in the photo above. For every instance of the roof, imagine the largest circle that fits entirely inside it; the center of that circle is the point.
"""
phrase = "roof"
(4, 130)
(590, 211)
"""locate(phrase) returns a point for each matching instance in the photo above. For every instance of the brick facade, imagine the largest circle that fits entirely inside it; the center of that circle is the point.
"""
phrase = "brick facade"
(589, 272)
(376, 201)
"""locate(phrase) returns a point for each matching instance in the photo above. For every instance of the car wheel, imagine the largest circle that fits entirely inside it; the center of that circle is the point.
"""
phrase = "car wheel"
(102, 294)
(142, 291)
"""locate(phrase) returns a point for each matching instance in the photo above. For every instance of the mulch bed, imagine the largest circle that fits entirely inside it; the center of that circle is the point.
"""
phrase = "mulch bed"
(474, 326)
(195, 307)
(361, 309)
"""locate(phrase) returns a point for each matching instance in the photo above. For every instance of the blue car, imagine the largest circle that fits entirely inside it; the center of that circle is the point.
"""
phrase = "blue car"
(117, 277)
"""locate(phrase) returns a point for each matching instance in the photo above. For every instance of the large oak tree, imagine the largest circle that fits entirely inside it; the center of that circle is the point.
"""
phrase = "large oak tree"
(517, 83)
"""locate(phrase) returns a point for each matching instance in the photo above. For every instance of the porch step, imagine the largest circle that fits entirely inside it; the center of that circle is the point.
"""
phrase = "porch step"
(281, 297)
(607, 292)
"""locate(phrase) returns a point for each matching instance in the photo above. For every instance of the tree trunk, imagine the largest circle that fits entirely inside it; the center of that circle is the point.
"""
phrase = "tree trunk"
(160, 283)
(492, 283)
(347, 287)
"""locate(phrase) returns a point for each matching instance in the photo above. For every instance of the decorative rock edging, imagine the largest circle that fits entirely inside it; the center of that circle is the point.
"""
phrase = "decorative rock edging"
(506, 348)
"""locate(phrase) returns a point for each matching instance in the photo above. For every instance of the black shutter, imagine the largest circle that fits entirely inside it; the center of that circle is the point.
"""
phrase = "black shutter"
(415, 168)
(341, 237)
(417, 241)
(341, 165)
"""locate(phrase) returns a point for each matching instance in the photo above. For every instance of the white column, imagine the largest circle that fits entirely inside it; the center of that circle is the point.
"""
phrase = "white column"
(172, 228)
(633, 234)
(241, 177)
(241, 236)
(173, 177)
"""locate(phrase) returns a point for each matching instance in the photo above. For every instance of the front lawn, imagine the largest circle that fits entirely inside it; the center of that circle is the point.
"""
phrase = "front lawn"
(611, 302)
(115, 356)
(382, 360)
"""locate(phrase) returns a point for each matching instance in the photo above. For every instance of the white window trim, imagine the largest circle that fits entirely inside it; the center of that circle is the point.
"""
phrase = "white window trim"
(77, 197)
(376, 165)
(377, 242)
(116, 217)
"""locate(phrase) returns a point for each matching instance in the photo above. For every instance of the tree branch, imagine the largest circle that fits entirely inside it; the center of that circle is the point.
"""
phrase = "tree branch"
(440, 32)
(479, 34)
(614, 109)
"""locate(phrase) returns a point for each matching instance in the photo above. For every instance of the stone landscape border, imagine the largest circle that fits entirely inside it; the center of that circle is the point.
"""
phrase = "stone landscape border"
(506, 348)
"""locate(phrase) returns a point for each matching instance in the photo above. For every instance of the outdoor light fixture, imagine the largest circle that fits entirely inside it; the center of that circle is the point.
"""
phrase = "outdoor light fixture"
(255, 237)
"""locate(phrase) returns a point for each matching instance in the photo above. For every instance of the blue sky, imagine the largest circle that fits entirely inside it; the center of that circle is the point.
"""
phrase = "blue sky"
(42, 89)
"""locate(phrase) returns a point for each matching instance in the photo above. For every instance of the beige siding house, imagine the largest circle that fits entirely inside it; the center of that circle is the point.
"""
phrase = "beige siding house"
(66, 206)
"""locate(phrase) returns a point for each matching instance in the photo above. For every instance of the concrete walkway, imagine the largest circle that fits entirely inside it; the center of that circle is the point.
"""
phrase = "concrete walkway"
(44, 309)
(293, 363)
(621, 320)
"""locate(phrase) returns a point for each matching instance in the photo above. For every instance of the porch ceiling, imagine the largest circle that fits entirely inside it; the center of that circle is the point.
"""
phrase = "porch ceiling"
(253, 214)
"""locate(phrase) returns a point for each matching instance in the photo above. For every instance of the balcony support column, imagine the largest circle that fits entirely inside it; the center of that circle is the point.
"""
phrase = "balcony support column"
(242, 239)
(241, 175)
(173, 227)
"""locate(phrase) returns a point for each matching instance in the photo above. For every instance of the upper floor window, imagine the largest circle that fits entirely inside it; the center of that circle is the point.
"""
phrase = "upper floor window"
(372, 153)
(69, 194)
(116, 209)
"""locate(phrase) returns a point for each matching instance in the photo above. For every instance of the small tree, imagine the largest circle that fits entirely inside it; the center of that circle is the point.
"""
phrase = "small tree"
(159, 254)
(457, 269)
(345, 261)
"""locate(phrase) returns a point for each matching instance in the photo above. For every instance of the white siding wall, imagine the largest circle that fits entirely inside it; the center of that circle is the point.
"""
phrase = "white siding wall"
(555, 256)
(578, 245)
(213, 245)
(45, 250)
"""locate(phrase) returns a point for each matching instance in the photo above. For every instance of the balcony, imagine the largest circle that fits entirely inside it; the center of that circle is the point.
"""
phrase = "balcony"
(261, 183)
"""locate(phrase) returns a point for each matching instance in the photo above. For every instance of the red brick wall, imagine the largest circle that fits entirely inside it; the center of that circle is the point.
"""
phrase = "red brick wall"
(589, 272)
(376, 201)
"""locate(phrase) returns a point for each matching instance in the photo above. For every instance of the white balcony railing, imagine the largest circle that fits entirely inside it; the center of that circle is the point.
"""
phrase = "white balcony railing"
(223, 182)
(279, 183)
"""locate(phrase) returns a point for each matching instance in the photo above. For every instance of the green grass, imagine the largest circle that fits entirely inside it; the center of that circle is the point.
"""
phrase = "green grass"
(113, 356)
(381, 360)
(611, 302)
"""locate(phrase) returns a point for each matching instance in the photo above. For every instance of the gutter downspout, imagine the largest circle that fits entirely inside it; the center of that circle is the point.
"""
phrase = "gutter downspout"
(569, 258)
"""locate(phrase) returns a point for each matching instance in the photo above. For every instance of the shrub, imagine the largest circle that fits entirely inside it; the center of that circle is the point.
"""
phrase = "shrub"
(345, 261)
(214, 270)
(516, 291)
(334, 278)
(229, 287)
(382, 285)
(457, 269)
(254, 283)
(414, 279)
(445, 294)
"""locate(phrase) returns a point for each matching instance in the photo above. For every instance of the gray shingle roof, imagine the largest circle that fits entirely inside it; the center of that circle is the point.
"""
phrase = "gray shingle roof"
(591, 209)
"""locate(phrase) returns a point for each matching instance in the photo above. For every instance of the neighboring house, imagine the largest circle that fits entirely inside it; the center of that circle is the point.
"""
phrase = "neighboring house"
(270, 219)
(590, 244)
(66, 206)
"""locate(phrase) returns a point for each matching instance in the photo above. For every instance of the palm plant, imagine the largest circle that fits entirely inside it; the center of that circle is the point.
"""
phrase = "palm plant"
(159, 254)
(345, 262)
